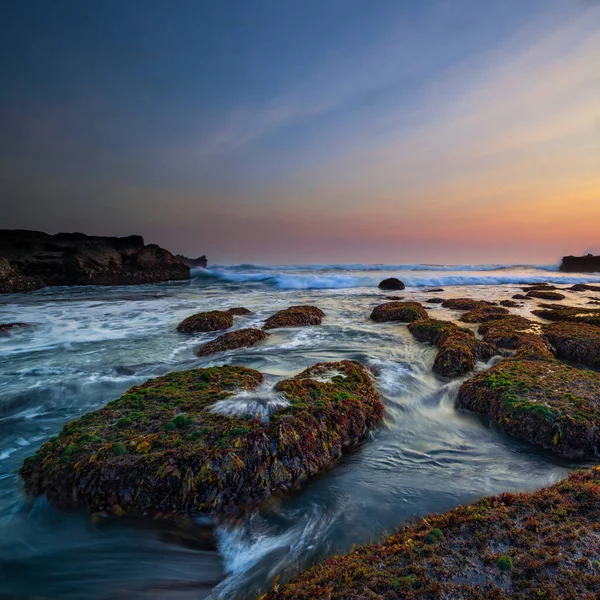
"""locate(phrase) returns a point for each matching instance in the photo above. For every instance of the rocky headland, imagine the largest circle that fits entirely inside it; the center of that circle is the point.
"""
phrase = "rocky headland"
(31, 260)
(580, 264)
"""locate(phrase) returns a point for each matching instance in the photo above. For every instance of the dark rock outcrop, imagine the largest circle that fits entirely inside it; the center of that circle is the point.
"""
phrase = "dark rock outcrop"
(295, 316)
(242, 338)
(31, 260)
(459, 349)
(213, 320)
(581, 264)
(170, 446)
(465, 303)
(575, 342)
(508, 303)
(568, 313)
(584, 287)
(8, 328)
(193, 263)
(405, 312)
(486, 313)
(543, 295)
(391, 284)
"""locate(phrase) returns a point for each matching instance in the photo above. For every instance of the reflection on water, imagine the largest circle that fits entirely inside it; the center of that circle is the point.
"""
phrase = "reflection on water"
(91, 344)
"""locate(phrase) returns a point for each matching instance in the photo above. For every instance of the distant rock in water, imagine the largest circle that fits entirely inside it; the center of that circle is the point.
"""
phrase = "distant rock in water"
(295, 316)
(8, 328)
(31, 260)
(581, 264)
(391, 284)
(193, 263)
(213, 320)
(242, 338)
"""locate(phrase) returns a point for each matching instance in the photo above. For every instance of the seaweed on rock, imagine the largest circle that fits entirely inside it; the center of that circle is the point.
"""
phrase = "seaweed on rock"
(161, 449)
(465, 304)
(242, 338)
(214, 320)
(406, 312)
(486, 313)
(295, 316)
(576, 342)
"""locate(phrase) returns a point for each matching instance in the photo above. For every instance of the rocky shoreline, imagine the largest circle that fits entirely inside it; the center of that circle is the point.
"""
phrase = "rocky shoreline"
(31, 260)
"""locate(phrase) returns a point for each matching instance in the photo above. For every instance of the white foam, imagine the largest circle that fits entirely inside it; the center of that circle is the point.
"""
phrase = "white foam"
(253, 404)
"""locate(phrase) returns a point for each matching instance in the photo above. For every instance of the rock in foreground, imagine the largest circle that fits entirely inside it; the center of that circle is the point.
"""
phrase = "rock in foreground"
(214, 320)
(544, 295)
(406, 312)
(576, 342)
(591, 316)
(511, 546)
(459, 349)
(547, 403)
(171, 444)
(242, 338)
(32, 260)
(295, 316)
(391, 284)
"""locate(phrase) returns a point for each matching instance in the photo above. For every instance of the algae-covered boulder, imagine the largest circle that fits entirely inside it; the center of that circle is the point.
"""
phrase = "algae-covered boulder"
(391, 284)
(544, 295)
(517, 333)
(486, 313)
(238, 311)
(508, 303)
(242, 338)
(465, 303)
(213, 320)
(511, 546)
(583, 287)
(547, 403)
(193, 441)
(577, 342)
(591, 316)
(295, 316)
(398, 311)
(459, 349)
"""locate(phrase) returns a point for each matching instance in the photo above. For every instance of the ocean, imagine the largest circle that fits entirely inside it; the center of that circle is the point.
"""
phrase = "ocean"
(90, 344)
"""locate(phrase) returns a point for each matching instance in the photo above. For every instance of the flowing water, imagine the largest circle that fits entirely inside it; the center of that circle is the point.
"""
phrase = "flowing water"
(90, 344)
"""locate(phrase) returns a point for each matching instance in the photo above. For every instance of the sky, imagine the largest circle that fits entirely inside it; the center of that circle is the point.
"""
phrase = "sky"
(357, 131)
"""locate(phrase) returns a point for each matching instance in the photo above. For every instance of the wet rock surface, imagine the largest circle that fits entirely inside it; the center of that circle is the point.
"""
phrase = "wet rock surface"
(242, 338)
(405, 312)
(214, 320)
(391, 284)
(295, 316)
(164, 448)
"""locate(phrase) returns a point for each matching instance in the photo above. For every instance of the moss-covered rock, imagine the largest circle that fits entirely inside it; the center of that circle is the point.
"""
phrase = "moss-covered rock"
(591, 316)
(392, 283)
(517, 333)
(295, 316)
(405, 312)
(508, 303)
(544, 295)
(521, 297)
(465, 303)
(538, 286)
(435, 301)
(214, 320)
(583, 287)
(547, 403)
(486, 313)
(242, 338)
(577, 342)
(238, 311)
(519, 546)
(459, 349)
(164, 447)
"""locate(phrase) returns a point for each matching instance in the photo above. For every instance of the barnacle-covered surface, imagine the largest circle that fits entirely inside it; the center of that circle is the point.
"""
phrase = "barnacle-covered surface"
(241, 338)
(161, 449)
(511, 546)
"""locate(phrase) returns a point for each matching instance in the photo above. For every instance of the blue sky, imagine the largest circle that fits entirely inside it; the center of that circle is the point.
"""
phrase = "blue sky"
(356, 131)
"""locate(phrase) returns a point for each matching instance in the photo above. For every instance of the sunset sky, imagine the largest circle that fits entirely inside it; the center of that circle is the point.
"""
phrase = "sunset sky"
(314, 131)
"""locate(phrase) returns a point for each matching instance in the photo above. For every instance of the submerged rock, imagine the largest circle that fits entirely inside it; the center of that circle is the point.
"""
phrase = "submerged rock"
(213, 320)
(238, 311)
(543, 295)
(242, 338)
(465, 304)
(398, 311)
(193, 263)
(391, 284)
(459, 349)
(160, 448)
(510, 546)
(8, 328)
(576, 342)
(547, 403)
(295, 316)
(481, 315)
(32, 259)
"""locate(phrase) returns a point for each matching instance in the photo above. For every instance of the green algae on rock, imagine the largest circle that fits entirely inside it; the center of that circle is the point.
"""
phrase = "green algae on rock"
(392, 283)
(508, 303)
(465, 303)
(459, 349)
(213, 320)
(544, 295)
(406, 312)
(590, 316)
(519, 546)
(483, 314)
(238, 311)
(295, 316)
(514, 332)
(164, 447)
(576, 342)
(242, 338)
(547, 403)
